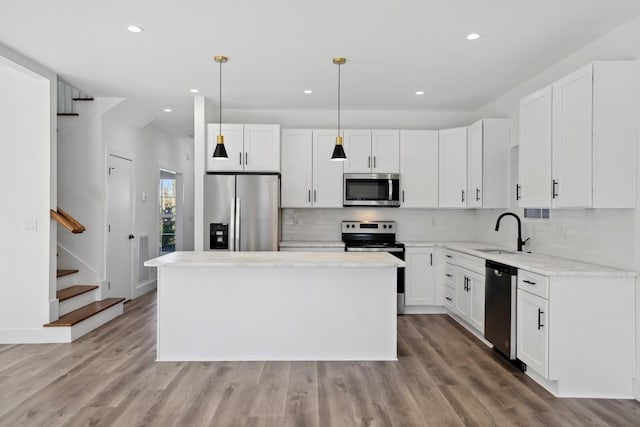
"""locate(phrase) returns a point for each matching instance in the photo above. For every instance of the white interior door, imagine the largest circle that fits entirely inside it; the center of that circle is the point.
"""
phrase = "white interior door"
(120, 228)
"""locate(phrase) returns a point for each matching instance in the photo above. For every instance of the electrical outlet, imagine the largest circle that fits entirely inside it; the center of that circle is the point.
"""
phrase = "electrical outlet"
(31, 225)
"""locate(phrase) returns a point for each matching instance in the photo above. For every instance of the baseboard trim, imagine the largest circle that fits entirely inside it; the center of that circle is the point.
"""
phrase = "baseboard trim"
(424, 309)
(144, 288)
(34, 336)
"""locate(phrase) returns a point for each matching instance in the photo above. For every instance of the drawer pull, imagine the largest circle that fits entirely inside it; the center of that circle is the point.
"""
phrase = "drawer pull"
(529, 282)
(448, 275)
(449, 256)
(448, 298)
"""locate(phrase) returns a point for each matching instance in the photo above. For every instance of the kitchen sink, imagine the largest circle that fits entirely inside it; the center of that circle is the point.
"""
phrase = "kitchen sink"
(496, 251)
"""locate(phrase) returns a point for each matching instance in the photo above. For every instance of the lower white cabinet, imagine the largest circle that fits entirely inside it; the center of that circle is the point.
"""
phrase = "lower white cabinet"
(532, 331)
(420, 286)
(576, 333)
(464, 288)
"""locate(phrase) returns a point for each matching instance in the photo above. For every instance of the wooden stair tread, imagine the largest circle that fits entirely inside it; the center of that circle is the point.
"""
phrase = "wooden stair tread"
(72, 291)
(63, 272)
(85, 312)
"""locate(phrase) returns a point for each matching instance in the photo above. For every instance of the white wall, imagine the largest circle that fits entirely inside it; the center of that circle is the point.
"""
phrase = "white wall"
(26, 172)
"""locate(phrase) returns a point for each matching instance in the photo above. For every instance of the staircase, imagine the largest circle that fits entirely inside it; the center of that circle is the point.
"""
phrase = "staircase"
(79, 309)
(68, 95)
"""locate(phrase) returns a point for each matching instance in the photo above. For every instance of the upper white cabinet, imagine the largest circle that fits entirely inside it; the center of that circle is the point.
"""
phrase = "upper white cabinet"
(419, 168)
(309, 177)
(578, 139)
(453, 168)
(534, 162)
(487, 166)
(251, 148)
(297, 170)
(376, 151)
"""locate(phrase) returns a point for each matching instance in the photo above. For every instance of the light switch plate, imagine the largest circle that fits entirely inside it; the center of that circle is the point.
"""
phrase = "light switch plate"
(31, 225)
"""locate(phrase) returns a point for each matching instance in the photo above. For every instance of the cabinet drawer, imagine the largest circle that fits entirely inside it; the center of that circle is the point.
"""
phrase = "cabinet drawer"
(534, 283)
(450, 256)
(471, 262)
(449, 297)
(449, 274)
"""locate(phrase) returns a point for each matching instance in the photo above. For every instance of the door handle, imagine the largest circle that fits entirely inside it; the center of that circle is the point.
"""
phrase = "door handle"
(517, 191)
(131, 236)
(554, 185)
(477, 194)
(403, 196)
(431, 259)
(540, 313)
(246, 158)
(232, 225)
(462, 195)
(240, 162)
(309, 195)
(374, 162)
(314, 195)
(369, 162)
(238, 224)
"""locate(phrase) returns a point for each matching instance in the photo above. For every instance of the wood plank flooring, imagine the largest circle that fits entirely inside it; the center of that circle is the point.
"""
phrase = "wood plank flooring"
(444, 376)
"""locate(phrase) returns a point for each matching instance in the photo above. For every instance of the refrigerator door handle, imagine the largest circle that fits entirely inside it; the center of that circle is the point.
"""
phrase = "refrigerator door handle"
(232, 228)
(237, 225)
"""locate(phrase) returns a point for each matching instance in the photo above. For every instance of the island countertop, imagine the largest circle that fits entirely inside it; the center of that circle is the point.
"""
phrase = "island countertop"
(276, 259)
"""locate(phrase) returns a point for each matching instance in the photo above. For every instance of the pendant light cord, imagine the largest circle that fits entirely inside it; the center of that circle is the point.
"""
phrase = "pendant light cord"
(339, 66)
(220, 101)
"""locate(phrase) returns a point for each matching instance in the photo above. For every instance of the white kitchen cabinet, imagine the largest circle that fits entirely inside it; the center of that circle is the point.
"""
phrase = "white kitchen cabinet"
(309, 177)
(534, 165)
(532, 331)
(452, 188)
(576, 333)
(475, 289)
(488, 160)
(327, 173)
(462, 296)
(297, 170)
(376, 151)
(419, 277)
(251, 148)
(578, 139)
(419, 169)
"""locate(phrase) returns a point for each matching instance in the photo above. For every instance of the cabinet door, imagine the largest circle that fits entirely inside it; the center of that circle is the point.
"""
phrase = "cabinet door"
(571, 139)
(462, 293)
(233, 143)
(262, 148)
(533, 331)
(419, 277)
(297, 173)
(419, 168)
(357, 146)
(327, 173)
(475, 163)
(535, 150)
(385, 151)
(476, 300)
(453, 168)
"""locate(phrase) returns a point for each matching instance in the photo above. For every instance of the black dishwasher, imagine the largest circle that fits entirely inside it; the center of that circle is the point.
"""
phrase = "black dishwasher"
(500, 307)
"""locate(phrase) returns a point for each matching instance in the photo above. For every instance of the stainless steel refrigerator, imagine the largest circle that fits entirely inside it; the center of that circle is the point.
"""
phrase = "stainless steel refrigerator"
(241, 212)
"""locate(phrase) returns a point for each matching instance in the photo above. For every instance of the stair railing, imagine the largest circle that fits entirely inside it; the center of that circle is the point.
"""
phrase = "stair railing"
(67, 221)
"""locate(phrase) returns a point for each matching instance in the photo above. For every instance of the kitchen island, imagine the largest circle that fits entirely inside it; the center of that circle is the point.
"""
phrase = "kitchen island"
(215, 306)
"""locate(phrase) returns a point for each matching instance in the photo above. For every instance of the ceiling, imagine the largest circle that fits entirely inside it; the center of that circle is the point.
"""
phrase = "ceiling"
(278, 48)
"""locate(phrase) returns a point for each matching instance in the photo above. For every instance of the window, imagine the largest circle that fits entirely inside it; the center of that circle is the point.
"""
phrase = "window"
(167, 212)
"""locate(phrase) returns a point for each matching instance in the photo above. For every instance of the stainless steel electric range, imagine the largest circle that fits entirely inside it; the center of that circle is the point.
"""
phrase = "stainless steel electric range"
(375, 236)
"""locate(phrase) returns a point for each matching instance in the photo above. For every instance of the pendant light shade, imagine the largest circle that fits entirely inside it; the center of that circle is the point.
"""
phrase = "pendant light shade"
(338, 150)
(220, 152)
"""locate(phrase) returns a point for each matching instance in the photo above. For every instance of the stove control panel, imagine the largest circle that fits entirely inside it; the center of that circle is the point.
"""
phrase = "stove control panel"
(369, 227)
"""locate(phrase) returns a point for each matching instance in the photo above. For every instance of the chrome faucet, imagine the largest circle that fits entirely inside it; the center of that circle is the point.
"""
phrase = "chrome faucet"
(520, 241)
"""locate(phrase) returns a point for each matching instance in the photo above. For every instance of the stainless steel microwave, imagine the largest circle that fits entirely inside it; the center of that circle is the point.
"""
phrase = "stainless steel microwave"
(371, 189)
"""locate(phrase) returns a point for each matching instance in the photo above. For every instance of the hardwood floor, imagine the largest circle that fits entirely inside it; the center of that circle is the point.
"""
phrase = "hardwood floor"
(444, 376)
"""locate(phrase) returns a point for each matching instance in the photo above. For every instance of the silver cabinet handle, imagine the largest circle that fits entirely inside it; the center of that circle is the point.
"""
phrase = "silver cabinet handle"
(390, 187)
(369, 162)
(246, 158)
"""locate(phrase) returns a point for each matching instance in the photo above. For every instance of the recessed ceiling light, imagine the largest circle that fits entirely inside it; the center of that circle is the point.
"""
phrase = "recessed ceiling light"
(135, 29)
(473, 36)
(419, 92)
(168, 110)
(194, 90)
(308, 91)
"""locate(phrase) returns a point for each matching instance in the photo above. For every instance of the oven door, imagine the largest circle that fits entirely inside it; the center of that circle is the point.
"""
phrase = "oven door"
(371, 189)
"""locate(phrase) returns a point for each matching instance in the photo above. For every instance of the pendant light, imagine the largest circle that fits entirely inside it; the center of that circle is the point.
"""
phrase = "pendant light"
(220, 152)
(338, 150)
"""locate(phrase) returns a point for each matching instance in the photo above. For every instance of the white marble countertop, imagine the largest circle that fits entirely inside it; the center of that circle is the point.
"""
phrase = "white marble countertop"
(537, 263)
(312, 244)
(276, 259)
